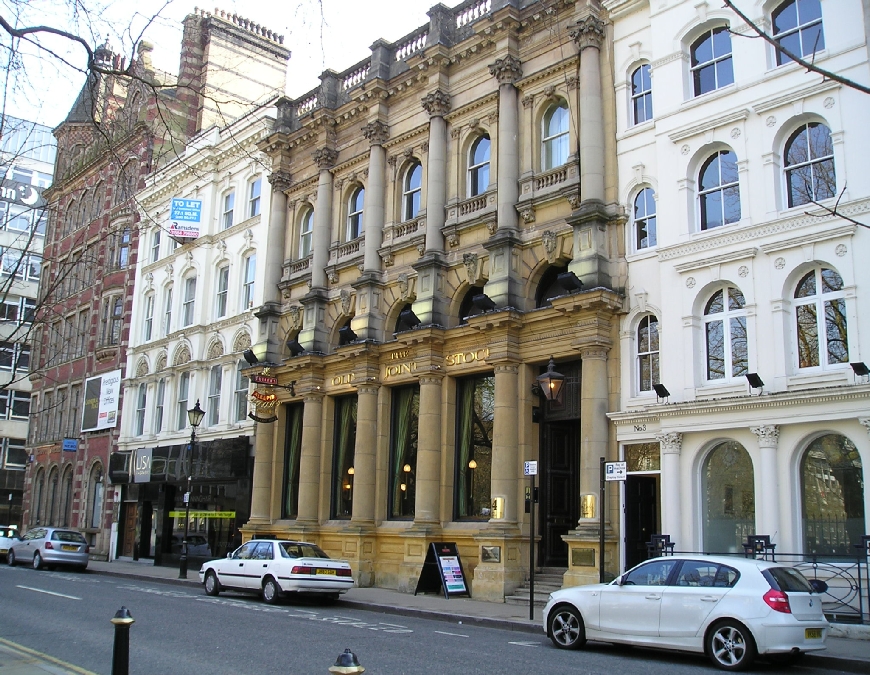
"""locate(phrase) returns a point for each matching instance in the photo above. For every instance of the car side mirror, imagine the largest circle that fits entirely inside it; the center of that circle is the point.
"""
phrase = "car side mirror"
(818, 586)
(230, 554)
(620, 580)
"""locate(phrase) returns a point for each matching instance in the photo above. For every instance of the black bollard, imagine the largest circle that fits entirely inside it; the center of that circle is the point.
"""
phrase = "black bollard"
(121, 650)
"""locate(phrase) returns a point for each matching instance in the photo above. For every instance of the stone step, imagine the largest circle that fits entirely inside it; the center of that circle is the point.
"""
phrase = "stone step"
(540, 600)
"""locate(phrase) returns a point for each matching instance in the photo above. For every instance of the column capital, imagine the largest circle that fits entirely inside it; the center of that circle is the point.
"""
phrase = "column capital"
(431, 378)
(376, 132)
(437, 104)
(325, 157)
(280, 180)
(671, 442)
(768, 435)
(312, 397)
(368, 388)
(510, 368)
(588, 32)
(507, 70)
(594, 351)
(865, 422)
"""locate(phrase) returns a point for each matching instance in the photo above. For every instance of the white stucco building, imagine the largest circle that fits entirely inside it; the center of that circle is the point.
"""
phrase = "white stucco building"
(732, 159)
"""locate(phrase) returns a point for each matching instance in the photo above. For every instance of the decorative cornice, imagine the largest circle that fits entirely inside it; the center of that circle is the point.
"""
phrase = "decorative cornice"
(436, 104)
(376, 132)
(709, 124)
(588, 32)
(793, 242)
(507, 70)
(742, 254)
(797, 95)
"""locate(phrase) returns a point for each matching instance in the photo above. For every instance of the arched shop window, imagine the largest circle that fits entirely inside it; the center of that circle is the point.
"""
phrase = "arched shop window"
(832, 491)
(728, 498)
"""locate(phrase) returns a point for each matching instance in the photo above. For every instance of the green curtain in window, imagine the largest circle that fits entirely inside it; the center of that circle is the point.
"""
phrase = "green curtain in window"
(292, 457)
(465, 444)
(344, 451)
(405, 446)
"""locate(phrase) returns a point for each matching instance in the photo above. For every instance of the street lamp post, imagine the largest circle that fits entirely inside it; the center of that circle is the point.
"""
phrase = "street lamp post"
(194, 416)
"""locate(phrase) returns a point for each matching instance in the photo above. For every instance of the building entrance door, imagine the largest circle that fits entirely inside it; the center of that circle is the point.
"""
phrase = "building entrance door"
(559, 490)
(641, 516)
(131, 517)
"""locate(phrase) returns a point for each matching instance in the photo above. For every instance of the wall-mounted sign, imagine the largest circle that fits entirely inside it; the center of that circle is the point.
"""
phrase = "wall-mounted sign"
(21, 193)
(185, 216)
(264, 400)
(347, 378)
(615, 470)
(203, 514)
(102, 395)
(259, 378)
(392, 370)
(142, 465)
(467, 357)
(70, 445)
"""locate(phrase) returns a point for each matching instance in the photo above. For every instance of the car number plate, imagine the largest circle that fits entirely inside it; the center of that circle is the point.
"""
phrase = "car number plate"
(329, 572)
(69, 548)
(813, 633)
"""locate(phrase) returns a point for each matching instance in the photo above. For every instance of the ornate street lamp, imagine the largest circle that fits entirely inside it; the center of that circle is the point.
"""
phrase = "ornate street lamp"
(194, 416)
(550, 383)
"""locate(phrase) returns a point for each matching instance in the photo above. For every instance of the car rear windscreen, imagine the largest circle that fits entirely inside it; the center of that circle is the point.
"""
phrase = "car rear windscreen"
(68, 536)
(789, 580)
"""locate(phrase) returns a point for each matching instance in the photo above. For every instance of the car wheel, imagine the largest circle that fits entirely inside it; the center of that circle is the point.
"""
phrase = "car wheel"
(271, 592)
(566, 628)
(730, 645)
(37, 561)
(10, 558)
(212, 585)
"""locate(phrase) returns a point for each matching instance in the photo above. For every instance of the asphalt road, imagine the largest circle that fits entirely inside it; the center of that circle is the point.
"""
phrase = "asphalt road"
(180, 631)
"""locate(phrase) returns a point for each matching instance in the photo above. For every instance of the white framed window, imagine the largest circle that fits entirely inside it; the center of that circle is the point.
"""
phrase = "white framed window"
(711, 65)
(719, 190)
(554, 137)
(155, 246)
(249, 268)
(641, 95)
(158, 405)
(214, 394)
(647, 353)
(14, 357)
(229, 205)
(797, 26)
(809, 165)
(725, 336)
(18, 310)
(188, 301)
(355, 214)
(223, 287)
(254, 188)
(644, 217)
(478, 166)
(411, 190)
(306, 232)
(167, 311)
(240, 409)
(141, 399)
(148, 324)
(15, 405)
(820, 320)
(13, 454)
(183, 396)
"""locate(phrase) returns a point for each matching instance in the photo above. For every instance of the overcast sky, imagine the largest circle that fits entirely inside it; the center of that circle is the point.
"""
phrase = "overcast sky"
(321, 34)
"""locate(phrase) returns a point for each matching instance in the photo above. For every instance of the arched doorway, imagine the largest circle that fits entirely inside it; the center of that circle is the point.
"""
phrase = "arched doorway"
(728, 498)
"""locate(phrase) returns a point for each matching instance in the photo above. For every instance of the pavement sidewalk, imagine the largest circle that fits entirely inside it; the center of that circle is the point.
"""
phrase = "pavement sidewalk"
(848, 651)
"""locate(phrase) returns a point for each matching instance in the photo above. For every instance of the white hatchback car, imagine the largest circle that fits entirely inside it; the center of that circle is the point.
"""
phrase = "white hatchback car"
(730, 609)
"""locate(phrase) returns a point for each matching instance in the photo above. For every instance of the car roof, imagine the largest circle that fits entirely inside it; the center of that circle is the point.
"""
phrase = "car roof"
(736, 561)
(282, 541)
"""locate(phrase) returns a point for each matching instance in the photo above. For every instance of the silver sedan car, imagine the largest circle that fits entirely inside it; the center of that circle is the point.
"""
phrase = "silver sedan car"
(44, 546)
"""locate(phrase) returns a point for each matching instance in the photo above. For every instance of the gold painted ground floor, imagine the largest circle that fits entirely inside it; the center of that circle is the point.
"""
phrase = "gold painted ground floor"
(377, 450)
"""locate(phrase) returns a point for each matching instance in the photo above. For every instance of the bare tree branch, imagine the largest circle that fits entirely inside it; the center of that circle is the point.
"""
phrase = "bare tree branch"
(834, 211)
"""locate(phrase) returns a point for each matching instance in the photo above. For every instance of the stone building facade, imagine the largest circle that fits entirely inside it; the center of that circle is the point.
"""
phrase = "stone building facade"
(444, 221)
(743, 174)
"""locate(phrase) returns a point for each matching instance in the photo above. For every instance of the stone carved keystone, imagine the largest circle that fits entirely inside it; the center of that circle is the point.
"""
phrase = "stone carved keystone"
(506, 70)
(376, 132)
(588, 32)
(437, 104)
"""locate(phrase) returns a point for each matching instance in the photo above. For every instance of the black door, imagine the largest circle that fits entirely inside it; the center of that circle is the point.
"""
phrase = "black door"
(641, 517)
(559, 498)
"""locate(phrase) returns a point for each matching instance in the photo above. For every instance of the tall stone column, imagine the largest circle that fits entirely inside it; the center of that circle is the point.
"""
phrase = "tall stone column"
(276, 235)
(309, 460)
(428, 495)
(325, 159)
(364, 464)
(437, 105)
(588, 34)
(261, 484)
(593, 423)
(670, 447)
(503, 285)
(767, 517)
(373, 214)
(505, 439)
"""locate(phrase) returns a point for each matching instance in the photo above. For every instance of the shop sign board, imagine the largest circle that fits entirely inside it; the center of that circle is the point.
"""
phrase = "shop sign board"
(443, 571)
(185, 216)
(615, 470)
(102, 394)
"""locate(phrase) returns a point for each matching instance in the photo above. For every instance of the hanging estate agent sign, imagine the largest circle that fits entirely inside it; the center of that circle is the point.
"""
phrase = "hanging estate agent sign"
(102, 394)
(442, 571)
(185, 216)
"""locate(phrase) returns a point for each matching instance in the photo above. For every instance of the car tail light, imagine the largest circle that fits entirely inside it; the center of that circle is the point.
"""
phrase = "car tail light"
(87, 549)
(48, 545)
(777, 601)
(300, 569)
(344, 573)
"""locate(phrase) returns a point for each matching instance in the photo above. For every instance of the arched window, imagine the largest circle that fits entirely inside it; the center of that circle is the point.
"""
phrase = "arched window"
(644, 215)
(549, 286)
(53, 501)
(478, 167)
(411, 190)
(306, 230)
(66, 496)
(554, 151)
(36, 508)
(188, 301)
(832, 490)
(95, 496)
(725, 334)
(718, 190)
(355, 213)
(641, 95)
(467, 307)
(820, 317)
(797, 26)
(141, 400)
(728, 498)
(647, 353)
(711, 61)
(126, 184)
(809, 165)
